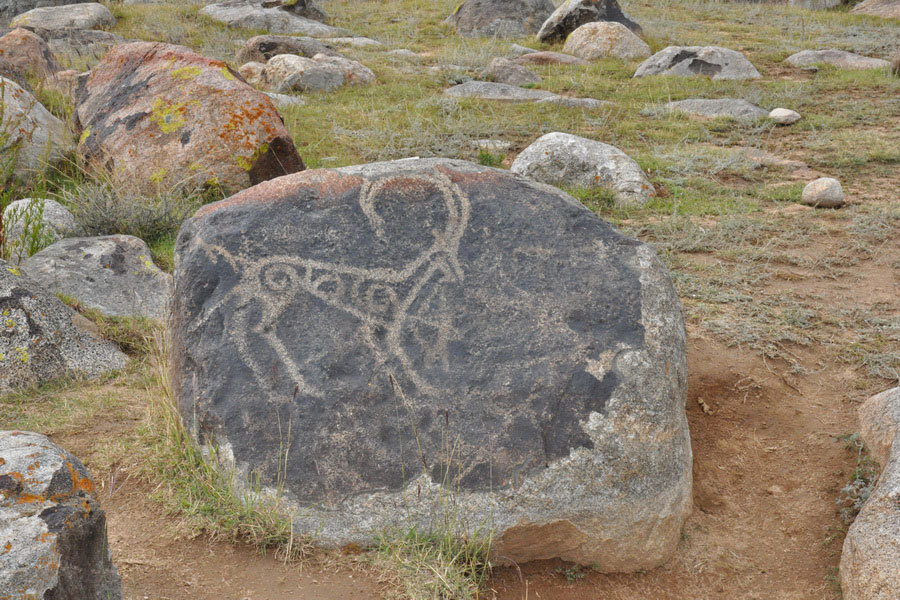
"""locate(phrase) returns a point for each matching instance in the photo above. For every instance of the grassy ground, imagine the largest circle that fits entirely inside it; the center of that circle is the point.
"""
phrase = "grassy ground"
(750, 265)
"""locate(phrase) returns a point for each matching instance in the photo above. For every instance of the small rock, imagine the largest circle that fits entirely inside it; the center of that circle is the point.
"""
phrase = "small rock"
(550, 58)
(403, 53)
(285, 100)
(565, 159)
(888, 9)
(113, 274)
(500, 18)
(572, 14)
(784, 116)
(774, 490)
(263, 47)
(517, 50)
(252, 72)
(569, 102)
(55, 222)
(710, 61)
(733, 108)
(42, 338)
(287, 72)
(824, 192)
(600, 40)
(496, 146)
(355, 42)
(88, 15)
(259, 14)
(25, 55)
(838, 58)
(489, 90)
(503, 70)
(38, 137)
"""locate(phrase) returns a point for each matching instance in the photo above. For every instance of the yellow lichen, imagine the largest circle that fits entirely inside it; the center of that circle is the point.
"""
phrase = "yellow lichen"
(247, 162)
(84, 135)
(227, 74)
(15, 271)
(23, 354)
(158, 176)
(168, 116)
(187, 72)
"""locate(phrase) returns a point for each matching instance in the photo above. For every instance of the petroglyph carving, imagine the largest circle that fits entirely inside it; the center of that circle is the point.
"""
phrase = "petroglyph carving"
(396, 308)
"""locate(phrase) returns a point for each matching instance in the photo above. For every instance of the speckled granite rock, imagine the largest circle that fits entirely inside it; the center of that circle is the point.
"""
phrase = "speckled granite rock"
(430, 328)
(163, 115)
(500, 18)
(84, 15)
(113, 274)
(688, 61)
(838, 58)
(52, 530)
(41, 338)
(733, 108)
(870, 561)
(572, 14)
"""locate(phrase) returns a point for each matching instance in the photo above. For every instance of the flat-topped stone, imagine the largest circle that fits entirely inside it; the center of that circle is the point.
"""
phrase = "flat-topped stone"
(489, 90)
(838, 58)
(733, 108)
(688, 61)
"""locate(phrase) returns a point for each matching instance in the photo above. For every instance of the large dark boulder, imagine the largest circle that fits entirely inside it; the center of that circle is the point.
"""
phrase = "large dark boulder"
(383, 337)
(161, 115)
(572, 14)
(500, 18)
(53, 541)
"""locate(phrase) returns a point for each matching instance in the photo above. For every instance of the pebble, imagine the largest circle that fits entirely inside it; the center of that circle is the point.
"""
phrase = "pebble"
(784, 116)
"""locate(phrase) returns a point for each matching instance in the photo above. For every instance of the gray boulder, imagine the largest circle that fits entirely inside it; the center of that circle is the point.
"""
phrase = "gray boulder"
(710, 61)
(503, 70)
(733, 108)
(870, 561)
(113, 274)
(432, 333)
(80, 46)
(87, 15)
(572, 14)
(289, 72)
(29, 219)
(500, 18)
(11, 8)
(43, 338)
(838, 58)
(263, 47)
(565, 159)
(490, 90)
(550, 58)
(257, 14)
(784, 116)
(34, 137)
(52, 530)
(888, 9)
(601, 40)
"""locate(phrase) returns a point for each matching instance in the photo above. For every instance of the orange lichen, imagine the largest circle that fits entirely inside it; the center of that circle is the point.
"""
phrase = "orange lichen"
(79, 483)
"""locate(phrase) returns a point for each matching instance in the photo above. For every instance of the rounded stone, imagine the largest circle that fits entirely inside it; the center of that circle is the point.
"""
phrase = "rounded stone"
(825, 192)
(784, 116)
(31, 219)
(603, 39)
(405, 333)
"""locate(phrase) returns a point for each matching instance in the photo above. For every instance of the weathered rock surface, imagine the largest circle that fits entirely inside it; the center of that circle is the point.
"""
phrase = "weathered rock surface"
(160, 114)
(34, 136)
(879, 423)
(889, 9)
(870, 561)
(533, 354)
(504, 92)
(784, 116)
(256, 14)
(815, 4)
(550, 58)
(51, 218)
(733, 108)
(52, 529)
(500, 18)
(824, 192)
(572, 14)
(710, 61)
(600, 40)
(503, 70)
(289, 72)
(87, 15)
(113, 274)
(838, 58)
(565, 159)
(263, 47)
(42, 338)
(25, 55)
(253, 72)
(85, 46)
(11, 8)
